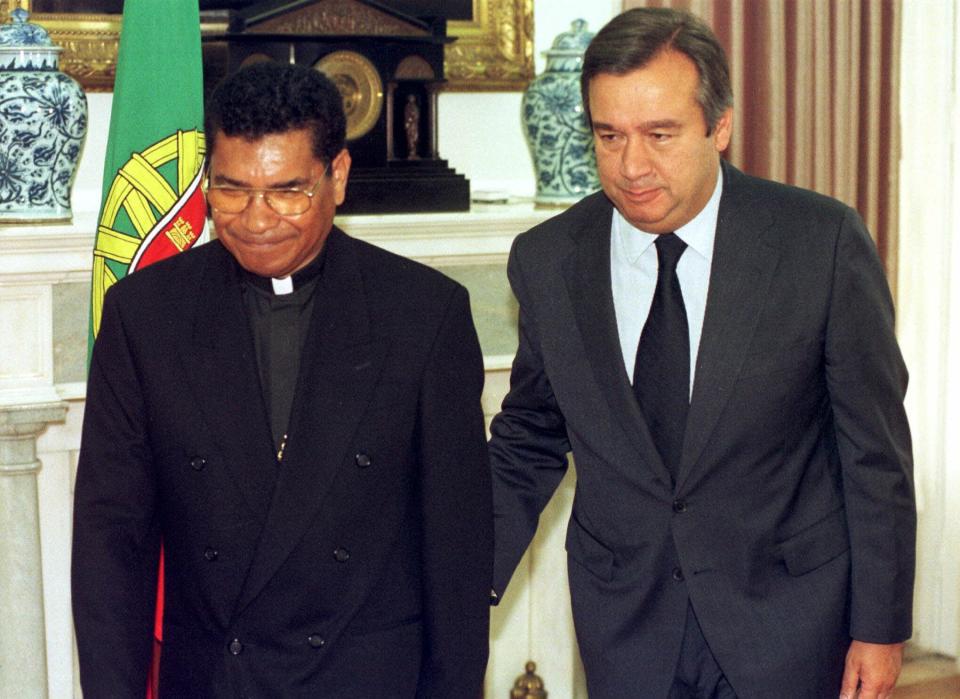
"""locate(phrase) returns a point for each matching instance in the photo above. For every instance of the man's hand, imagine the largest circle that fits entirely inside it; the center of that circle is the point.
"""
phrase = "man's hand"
(873, 667)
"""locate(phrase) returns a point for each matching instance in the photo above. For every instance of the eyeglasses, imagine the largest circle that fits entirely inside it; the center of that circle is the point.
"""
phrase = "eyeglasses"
(284, 202)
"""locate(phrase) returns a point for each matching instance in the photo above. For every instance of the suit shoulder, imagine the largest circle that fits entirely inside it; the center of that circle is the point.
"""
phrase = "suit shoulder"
(387, 274)
(557, 232)
(812, 226)
(174, 272)
(793, 201)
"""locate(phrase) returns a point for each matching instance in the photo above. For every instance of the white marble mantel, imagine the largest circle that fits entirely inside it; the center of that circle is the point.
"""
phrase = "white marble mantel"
(534, 620)
(62, 252)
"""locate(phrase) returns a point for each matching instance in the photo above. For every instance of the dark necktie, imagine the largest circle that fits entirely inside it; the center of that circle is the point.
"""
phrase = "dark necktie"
(661, 374)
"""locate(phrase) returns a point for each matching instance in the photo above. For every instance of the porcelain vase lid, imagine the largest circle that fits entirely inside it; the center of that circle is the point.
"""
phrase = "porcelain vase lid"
(19, 32)
(571, 42)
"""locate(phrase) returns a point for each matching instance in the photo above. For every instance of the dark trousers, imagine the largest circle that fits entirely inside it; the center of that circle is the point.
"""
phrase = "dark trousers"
(698, 676)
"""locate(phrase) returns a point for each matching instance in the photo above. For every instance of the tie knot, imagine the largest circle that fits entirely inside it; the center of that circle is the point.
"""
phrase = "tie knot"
(669, 250)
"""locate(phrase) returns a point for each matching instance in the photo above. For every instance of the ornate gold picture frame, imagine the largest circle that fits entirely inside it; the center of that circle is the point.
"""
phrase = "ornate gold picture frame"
(89, 43)
(494, 51)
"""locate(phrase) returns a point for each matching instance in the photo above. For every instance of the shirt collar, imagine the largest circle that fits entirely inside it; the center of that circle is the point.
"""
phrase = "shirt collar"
(301, 277)
(698, 234)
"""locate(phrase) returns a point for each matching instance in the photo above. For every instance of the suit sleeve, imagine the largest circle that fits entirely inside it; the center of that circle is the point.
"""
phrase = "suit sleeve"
(528, 445)
(455, 493)
(115, 533)
(867, 381)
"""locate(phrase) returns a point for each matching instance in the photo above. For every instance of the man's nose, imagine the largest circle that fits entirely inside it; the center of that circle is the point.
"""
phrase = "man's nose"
(634, 159)
(258, 216)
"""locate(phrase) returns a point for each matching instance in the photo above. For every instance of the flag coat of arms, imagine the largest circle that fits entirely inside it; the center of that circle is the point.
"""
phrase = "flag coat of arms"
(152, 204)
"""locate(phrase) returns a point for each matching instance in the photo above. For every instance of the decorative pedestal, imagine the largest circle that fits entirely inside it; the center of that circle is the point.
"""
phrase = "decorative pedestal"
(529, 685)
(406, 186)
(23, 670)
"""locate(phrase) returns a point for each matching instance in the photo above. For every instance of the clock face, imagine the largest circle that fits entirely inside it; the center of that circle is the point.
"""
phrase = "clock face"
(359, 85)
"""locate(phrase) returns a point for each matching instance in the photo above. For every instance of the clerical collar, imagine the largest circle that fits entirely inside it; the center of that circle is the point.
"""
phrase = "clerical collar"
(282, 286)
(287, 285)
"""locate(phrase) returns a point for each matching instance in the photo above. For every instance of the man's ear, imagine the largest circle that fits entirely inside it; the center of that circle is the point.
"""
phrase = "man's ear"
(723, 130)
(340, 171)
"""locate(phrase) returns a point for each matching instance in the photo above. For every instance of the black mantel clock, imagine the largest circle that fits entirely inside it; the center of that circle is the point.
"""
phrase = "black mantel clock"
(387, 64)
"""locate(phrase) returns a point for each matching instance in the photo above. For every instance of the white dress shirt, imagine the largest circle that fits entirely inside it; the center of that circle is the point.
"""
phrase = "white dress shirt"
(633, 272)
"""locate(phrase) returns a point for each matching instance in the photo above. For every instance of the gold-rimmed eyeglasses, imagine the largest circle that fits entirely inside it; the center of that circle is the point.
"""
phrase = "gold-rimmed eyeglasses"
(284, 202)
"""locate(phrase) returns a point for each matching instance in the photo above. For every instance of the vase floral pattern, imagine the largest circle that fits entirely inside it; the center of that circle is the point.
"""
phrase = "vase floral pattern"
(560, 140)
(43, 120)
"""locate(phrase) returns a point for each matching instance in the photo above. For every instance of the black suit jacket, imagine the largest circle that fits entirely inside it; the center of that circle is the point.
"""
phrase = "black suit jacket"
(791, 526)
(361, 565)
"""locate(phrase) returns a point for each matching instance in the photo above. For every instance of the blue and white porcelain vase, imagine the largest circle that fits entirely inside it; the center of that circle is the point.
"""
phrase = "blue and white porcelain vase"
(43, 119)
(559, 137)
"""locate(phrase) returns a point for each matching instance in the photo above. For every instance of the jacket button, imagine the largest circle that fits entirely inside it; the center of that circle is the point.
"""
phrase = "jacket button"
(198, 463)
(363, 460)
(342, 555)
(315, 641)
(678, 575)
(679, 506)
(211, 554)
(235, 647)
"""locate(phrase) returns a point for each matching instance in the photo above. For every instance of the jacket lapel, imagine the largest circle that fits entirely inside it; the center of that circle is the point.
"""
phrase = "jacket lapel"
(587, 271)
(339, 368)
(224, 371)
(744, 263)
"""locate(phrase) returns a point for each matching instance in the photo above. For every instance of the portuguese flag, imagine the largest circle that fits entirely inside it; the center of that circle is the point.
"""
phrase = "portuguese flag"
(152, 204)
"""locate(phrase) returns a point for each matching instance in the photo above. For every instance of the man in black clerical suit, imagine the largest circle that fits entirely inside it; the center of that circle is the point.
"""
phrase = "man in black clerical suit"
(718, 353)
(296, 415)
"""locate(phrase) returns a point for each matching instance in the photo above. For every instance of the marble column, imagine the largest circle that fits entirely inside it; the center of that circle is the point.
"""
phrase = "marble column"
(23, 658)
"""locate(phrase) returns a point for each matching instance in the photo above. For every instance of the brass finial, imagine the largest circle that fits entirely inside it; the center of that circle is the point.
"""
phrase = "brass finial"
(529, 685)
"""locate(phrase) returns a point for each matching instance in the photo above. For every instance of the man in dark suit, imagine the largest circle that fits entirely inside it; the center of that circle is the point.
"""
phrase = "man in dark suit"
(296, 416)
(718, 353)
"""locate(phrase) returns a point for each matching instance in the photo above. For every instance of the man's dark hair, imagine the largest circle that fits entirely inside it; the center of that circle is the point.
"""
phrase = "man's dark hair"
(631, 40)
(269, 98)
